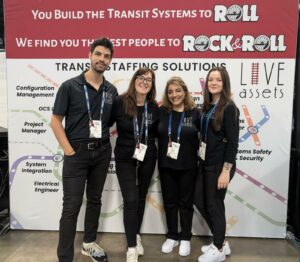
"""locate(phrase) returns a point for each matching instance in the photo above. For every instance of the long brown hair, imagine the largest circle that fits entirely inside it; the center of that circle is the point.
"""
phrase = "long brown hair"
(129, 97)
(224, 100)
(188, 101)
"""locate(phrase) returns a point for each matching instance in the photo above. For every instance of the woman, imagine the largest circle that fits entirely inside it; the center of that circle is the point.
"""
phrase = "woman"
(219, 129)
(177, 162)
(135, 113)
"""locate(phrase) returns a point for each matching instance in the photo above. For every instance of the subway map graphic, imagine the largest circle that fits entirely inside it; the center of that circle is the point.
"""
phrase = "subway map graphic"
(253, 129)
(48, 184)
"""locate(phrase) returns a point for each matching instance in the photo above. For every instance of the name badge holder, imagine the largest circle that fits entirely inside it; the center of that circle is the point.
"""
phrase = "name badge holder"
(173, 147)
(202, 145)
(140, 148)
(96, 129)
(95, 126)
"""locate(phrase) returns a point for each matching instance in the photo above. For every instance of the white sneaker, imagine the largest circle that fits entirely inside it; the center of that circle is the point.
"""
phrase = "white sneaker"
(184, 248)
(132, 254)
(226, 248)
(139, 246)
(169, 245)
(95, 252)
(213, 254)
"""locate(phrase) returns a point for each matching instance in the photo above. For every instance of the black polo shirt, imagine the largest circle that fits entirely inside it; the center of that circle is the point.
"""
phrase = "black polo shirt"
(71, 103)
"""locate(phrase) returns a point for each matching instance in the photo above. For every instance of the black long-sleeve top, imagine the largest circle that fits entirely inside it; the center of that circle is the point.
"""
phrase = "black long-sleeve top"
(187, 156)
(126, 143)
(222, 146)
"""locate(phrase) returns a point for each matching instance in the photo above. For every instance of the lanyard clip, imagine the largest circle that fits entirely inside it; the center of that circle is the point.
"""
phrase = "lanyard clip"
(170, 142)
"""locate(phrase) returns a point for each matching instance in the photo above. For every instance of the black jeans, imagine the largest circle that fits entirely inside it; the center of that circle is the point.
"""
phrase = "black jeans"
(134, 196)
(209, 200)
(85, 168)
(177, 190)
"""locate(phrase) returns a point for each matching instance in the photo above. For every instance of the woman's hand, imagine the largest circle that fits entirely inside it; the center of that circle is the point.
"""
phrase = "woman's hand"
(223, 180)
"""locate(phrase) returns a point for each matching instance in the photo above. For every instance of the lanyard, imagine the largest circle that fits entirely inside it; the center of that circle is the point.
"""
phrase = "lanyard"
(209, 115)
(138, 135)
(179, 126)
(88, 103)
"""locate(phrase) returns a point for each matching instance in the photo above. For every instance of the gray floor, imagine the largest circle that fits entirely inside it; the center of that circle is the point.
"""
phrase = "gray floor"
(33, 246)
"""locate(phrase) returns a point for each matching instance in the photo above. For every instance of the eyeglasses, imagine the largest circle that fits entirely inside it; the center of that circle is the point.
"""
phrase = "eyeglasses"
(143, 79)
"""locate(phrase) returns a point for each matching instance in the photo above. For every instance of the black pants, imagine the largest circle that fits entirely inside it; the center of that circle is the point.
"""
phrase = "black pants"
(134, 196)
(177, 190)
(85, 168)
(209, 200)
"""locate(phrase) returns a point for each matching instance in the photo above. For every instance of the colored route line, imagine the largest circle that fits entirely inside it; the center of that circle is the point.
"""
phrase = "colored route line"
(18, 161)
(149, 199)
(15, 224)
(256, 210)
(233, 220)
(202, 84)
(253, 129)
(261, 186)
(120, 207)
(56, 165)
(103, 214)
(154, 180)
(155, 204)
(116, 82)
(33, 112)
(230, 223)
(112, 213)
(38, 72)
(56, 174)
(36, 143)
(114, 132)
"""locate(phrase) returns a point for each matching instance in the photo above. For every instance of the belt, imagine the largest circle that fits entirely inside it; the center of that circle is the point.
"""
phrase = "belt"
(89, 146)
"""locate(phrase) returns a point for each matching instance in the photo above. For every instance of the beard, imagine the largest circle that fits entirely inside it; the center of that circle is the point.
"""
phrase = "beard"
(98, 69)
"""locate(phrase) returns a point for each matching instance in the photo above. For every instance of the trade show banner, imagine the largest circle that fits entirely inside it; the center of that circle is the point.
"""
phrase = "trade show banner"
(47, 42)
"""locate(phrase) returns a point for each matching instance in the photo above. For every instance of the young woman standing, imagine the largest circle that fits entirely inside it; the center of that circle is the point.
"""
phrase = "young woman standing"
(177, 162)
(135, 113)
(219, 129)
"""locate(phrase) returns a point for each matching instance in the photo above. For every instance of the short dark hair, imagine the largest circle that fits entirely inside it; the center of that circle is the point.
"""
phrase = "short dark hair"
(103, 42)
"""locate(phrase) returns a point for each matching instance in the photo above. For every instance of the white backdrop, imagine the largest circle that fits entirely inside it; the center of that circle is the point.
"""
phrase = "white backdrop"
(262, 87)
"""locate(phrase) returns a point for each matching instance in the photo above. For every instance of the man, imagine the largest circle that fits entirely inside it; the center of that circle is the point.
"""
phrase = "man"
(85, 102)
